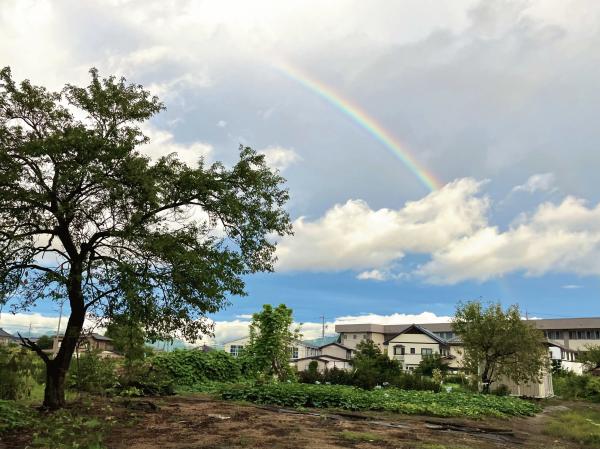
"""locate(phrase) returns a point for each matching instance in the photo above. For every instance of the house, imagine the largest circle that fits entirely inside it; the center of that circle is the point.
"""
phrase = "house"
(299, 348)
(90, 342)
(414, 343)
(410, 343)
(330, 354)
(6, 338)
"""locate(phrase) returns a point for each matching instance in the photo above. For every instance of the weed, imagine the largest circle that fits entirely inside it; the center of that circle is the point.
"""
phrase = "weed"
(581, 426)
(360, 436)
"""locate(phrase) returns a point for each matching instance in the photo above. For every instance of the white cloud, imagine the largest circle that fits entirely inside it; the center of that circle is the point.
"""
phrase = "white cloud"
(280, 157)
(541, 182)
(381, 275)
(221, 123)
(37, 322)
(163, 143)
(225, 330)
(374, 275)
(394, 318)
(354, 236)
(572, 286)
(556, 238)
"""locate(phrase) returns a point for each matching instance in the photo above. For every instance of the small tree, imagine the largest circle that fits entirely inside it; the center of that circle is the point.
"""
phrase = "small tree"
(129, 338)
(429, 363)
(372, 367)
(590, 356)
(85, 216)
(499, 343)
(271, 341)
(45, 342)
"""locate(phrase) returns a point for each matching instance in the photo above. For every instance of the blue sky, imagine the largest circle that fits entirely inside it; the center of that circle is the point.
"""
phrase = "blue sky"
(498, 99)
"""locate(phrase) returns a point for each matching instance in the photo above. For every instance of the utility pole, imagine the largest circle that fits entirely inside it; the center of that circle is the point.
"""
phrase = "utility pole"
(55, 346)
(322, 328)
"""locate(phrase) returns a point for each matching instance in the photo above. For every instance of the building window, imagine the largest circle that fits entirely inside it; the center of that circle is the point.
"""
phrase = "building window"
(295, 352)
(413, 351)
(345, 337)
(354, 336)
(398, 350)
(235, 350)
(426, 351)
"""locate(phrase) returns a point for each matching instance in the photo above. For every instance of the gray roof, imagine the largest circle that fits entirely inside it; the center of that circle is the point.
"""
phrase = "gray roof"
(395, 329)
(4, 334)
(421, 329)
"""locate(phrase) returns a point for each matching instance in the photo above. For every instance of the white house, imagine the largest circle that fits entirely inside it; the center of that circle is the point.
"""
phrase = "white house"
(299, 348)
(414, 343)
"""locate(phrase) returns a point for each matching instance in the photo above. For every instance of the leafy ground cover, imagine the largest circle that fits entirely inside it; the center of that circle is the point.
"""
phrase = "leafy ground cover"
(391, 400)
(581, 426)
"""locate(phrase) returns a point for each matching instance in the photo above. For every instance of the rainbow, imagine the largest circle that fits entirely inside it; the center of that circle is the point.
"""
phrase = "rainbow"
(364, 120)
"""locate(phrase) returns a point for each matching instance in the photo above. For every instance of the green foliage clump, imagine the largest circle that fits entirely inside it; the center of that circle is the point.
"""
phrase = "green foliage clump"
(13, 416)
(498, 343)
(430, 363)
(391, 399)
(372, 367)
(91, 373)
(573, 386)
(271, 339)
(142, 378)
(20, 372)
(191, 366)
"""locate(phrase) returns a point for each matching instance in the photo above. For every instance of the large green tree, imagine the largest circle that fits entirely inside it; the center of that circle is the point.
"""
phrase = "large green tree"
(86, 216)
(498, 343)
(272, 337)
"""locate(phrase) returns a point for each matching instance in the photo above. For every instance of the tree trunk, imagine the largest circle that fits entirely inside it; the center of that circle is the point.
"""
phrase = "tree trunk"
(56, 369)
(54, 394)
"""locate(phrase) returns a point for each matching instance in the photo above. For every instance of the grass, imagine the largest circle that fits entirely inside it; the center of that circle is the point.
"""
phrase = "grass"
(360, 436)
(581, 426)
(439, 446)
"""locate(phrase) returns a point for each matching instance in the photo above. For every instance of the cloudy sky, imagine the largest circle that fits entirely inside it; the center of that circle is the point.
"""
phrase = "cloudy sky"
(497, 100)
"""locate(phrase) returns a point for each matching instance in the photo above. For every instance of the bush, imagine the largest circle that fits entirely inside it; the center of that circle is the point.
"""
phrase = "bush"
(190, 366)
(141, 378)
(20, 371)
(91, 373)
(501, 390)
(391, 399)
(13, 416)
(573, 386)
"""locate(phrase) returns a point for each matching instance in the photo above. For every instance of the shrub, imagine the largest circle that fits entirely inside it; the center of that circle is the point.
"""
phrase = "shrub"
(13, 416)
(92, 373)
(501, 390)
(20, 371)
(191, 366)
(141, 378)
(573, 386)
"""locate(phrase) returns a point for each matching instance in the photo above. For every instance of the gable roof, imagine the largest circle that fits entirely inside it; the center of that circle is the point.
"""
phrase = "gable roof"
(322, 341)
(421, 330)
(335, 343)
(4, 334)
(323, 358)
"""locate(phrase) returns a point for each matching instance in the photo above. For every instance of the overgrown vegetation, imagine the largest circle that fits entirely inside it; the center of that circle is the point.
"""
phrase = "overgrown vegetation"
(580, 426)
(20, 372)
(190, 367)
(389, 399)
(572, 386)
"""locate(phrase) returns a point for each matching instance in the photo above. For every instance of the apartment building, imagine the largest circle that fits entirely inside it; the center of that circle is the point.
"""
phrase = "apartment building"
(571, 333)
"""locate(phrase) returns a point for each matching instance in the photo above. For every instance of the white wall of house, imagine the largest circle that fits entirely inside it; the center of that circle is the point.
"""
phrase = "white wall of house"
(299, 349)
(335, 351)
(416, 346)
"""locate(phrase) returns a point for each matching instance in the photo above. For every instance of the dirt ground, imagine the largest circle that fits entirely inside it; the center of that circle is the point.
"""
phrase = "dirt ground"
(201, 422)
(194, 422)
